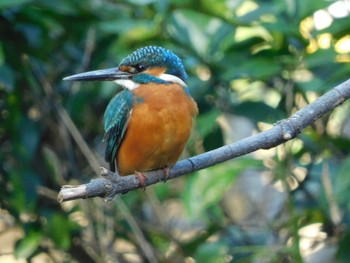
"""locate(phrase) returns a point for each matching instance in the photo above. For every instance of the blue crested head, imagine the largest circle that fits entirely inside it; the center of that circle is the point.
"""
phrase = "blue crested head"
(152, 57)
(145, 65)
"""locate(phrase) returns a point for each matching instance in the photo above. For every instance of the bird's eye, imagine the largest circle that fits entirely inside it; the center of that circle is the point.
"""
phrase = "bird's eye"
(139, 67)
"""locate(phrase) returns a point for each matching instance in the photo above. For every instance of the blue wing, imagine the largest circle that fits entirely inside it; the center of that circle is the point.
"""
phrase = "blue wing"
(116, 120)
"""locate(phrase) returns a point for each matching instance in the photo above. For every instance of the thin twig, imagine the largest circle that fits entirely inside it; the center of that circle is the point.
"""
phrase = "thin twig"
(112, 184)
(78, 138)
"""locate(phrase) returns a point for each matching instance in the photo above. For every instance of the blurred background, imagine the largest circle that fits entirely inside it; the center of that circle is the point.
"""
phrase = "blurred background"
(250, 62)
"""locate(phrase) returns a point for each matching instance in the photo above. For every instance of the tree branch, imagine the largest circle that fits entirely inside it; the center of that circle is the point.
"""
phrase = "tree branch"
(111, 184)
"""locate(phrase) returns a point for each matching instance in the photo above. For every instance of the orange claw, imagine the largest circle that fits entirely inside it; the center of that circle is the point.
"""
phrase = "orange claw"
(142, 179)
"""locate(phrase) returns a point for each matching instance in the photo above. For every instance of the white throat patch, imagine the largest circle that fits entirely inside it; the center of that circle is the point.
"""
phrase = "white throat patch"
(131, 85)
(127, 83)
(173, 79)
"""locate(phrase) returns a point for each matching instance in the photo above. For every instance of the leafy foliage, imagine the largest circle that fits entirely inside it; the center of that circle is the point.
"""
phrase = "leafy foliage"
(250, 63)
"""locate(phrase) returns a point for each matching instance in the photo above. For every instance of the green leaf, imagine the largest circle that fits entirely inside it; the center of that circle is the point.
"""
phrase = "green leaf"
(273, 8)
(2, 55)
(30, 134)
(258, 111)
(214, 139)
(339, 28)
(206, 35)
(211, 253)
(133, 30)
(29, 244)
(53, 164)
(207, 122)
(59, 230)
(141, 2)
(343, 253)
(118, 26)
(11, 3)
(7, 78)
(262, 68)
(342, 183)
(206, 187)
(17, 199)
(315, 84)
(307, 8)
(221, 8)
(323, 57)
(282, 27)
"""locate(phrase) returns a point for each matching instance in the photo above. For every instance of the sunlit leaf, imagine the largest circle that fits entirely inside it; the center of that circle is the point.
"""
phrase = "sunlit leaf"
(273, 9)
(221, 8)
(28, 244)
(207, 36)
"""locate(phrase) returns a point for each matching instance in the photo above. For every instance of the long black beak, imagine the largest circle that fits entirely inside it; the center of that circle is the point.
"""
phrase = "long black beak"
(102, 74)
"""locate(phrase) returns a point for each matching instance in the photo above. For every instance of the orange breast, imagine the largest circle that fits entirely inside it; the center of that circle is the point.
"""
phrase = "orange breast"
(160, 124)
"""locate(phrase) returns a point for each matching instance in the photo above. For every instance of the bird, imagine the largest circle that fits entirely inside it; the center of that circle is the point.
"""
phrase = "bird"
(148, 123)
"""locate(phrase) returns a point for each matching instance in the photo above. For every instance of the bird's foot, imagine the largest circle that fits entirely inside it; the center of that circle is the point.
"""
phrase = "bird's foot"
(142, 179)
(166, 171)
(111, 186)
(109, 174)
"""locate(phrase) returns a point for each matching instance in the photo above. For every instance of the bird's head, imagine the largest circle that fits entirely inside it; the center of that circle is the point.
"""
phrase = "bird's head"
(145, 65)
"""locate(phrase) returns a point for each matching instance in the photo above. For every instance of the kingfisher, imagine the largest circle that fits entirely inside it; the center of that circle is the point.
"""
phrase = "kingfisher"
(148, 123)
